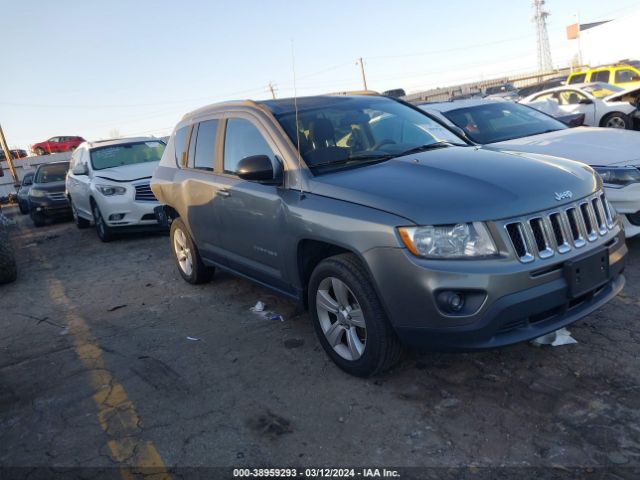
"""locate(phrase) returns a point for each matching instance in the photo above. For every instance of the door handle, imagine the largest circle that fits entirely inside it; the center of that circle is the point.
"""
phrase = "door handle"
(223, 193)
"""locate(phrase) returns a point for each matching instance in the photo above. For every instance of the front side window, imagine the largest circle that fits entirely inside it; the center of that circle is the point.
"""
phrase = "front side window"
(357, 130)
(54, 172)
(571, 97)
(496, 122)
(126, 154)
(204, 145)
(626, 75)
(578, 78)
(242, 139)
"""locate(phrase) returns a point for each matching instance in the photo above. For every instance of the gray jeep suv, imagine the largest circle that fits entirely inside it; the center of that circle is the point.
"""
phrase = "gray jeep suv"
(386, 225)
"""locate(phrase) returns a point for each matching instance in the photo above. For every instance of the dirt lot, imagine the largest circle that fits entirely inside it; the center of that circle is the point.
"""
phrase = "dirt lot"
(108, 358)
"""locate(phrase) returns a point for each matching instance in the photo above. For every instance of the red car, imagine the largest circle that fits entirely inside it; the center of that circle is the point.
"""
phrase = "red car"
(56, 144)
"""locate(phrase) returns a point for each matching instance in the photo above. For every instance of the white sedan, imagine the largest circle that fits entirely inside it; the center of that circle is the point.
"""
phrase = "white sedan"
(603, 104)
(511, 127)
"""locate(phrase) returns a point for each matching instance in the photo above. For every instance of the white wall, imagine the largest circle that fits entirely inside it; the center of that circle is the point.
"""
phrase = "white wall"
(613, 41)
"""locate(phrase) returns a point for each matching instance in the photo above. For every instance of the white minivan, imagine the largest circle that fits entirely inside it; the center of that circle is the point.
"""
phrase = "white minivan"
(108, 185)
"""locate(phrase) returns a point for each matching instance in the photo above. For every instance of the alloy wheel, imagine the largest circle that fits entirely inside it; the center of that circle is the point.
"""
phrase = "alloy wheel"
(183, 252)
(616, 122)
(341, 318)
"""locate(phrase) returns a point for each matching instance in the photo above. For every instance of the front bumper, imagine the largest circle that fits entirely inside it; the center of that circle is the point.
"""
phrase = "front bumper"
(626, 200)
(123, 211)
(519, 303)
(49, 208)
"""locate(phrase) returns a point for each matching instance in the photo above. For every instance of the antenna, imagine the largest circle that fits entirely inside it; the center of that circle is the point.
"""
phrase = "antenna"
(295, 107)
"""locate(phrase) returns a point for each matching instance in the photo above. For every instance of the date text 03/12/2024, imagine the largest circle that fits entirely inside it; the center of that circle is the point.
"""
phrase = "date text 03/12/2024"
(315, 473)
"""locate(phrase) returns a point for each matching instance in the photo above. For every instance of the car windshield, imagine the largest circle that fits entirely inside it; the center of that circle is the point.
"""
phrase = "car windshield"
(601, 90)
(126, 154)
(53, 172)
(353, 131)
(496, 122)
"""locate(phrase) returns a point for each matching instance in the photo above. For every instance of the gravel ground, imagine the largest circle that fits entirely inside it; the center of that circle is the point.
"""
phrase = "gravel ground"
(108, 358)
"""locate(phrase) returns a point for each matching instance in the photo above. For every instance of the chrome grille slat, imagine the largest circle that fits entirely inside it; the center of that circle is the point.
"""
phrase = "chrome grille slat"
(562, 230)
(144, 193)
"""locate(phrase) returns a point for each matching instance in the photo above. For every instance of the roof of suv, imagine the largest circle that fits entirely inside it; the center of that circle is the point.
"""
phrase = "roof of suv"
(120, 141)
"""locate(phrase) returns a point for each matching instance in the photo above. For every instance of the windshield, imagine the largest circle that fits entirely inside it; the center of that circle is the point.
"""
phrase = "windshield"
(601, 90)
(496, 122)
(126, 154)
(53, 172)
(354, 131)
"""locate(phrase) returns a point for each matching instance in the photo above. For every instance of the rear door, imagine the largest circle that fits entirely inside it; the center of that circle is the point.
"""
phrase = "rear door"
(250, 215)
(197, 147)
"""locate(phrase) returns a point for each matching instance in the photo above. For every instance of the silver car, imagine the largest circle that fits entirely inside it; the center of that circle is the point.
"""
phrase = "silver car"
(387, 226)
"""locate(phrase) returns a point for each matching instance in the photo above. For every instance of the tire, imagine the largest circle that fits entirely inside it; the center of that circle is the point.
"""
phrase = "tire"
(8, 267)
(617, 120)
(78, 220)
(105, 233)
(37, 218)
(381, 348)
(24, 208)
(40, 151)
(186, 255)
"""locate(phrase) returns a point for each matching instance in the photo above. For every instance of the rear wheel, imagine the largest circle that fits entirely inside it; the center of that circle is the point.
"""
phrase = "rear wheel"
(617, 120)
(186, 255)
(105, 233)
(349, 319)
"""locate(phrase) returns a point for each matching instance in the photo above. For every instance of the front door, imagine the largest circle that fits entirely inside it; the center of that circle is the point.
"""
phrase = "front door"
(251, 215)
(574, 101)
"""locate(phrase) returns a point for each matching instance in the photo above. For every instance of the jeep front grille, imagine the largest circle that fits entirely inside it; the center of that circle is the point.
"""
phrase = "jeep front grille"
(560, 230)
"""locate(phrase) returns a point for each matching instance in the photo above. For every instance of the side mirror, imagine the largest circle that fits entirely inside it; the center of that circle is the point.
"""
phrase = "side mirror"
(258, 168)
(80, 170)
(586, 101)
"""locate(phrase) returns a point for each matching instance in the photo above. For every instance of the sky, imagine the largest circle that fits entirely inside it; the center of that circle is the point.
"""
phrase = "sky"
(99, 69)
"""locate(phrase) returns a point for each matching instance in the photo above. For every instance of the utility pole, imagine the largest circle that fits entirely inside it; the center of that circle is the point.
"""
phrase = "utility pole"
(7, 156)
(544, 49)
(273, 91)
(364, 78)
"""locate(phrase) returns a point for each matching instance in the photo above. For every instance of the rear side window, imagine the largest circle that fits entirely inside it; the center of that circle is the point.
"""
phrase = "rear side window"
(181, 136)
(243, 139)
(205, 146)
(579, 78)
(601, 76)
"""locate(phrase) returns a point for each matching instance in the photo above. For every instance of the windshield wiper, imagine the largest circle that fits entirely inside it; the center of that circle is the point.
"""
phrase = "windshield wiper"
(358, 158)
(425, 147)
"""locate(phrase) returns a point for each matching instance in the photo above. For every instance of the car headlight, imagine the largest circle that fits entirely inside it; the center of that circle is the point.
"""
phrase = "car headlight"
(618, 177)
(37, 193)
(462, 240)
(109, 190)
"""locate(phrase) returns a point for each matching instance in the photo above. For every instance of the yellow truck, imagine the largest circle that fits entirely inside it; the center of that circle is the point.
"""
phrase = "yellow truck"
(625, 76)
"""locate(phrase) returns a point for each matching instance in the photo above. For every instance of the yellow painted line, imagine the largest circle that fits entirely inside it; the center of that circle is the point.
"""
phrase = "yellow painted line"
(116, 413)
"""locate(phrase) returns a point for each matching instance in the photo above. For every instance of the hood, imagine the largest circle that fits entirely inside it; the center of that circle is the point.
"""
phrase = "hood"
(590, 145)
(632, 93)
(127, 173)
(49, 187)
(460, 184)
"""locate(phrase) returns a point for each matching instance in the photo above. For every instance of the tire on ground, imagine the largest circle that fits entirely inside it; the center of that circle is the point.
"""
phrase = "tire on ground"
(8, 267)
(200, 273)
(619, 118)
(382, 346)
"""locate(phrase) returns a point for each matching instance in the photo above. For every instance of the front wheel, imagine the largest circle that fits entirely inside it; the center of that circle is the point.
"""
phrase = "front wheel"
(617, 120)
(102, 229)
(349, 319)
(24, 209)
(40, 151)
(188, 260)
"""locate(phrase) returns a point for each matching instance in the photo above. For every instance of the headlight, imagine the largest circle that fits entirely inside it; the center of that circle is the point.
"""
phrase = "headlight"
(37, 193)
(462, 240)
(109, 190)
(618, 177)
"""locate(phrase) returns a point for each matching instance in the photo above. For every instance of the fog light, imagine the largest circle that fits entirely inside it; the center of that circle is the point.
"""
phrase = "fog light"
(116, 216)
(452, 302)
